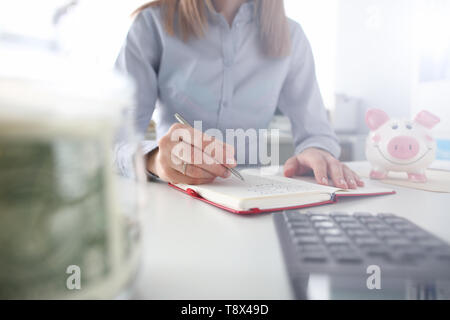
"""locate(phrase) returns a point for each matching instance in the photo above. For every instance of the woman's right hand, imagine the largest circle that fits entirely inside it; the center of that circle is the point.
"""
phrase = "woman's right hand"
(203, 155)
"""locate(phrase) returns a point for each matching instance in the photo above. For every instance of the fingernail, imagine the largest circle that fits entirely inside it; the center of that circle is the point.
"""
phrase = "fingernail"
(325, 180)
(343, 183)
(352, 184)
(227, 174)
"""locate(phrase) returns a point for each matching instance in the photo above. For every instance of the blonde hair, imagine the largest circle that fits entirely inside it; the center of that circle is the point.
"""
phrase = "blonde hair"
(191, 18)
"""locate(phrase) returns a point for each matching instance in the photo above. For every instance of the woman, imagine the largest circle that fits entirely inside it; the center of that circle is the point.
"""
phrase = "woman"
(229, 63)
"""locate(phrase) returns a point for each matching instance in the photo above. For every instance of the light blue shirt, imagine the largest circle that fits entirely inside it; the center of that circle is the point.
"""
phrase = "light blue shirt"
(223, 79)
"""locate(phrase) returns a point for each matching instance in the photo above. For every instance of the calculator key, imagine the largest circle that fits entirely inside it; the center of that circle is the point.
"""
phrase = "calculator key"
(320, 219)
(314, 257)
(358, 232)
(379, 252)
(416, 234)
(363, 214)
(310, 214)
(318, 216)
(303, 232)
(344, 219)
(368, 220)
(380, 256)
(324, 224)
(340, 248)
(443, 255)
(367, 241)
(329, 232)
(350, 225)
(311, 247)
(398, 242)
(295, 216)
(299, 224)
(387, 233)
(431, 243)
(377, 226)
(410, 254)
(339, 214)
(335, 240)
(307, 240)
(347, 257)
(404, 227)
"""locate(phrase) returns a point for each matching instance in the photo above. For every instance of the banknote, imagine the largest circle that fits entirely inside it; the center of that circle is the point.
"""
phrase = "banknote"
(59, 214)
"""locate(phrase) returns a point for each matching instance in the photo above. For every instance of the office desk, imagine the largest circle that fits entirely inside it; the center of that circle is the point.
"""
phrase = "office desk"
(195, 251)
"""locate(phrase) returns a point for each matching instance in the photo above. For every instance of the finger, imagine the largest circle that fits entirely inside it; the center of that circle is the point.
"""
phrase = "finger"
(336, 173)
(196, 157)
(349, 177)
(319, 167)
(219, 151)
(358, 179)
(290, 167)
(193, 171)
(176, 177)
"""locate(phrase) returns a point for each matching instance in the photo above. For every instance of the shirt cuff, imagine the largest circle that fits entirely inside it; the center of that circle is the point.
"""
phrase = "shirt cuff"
(125, 153)
(320, 142)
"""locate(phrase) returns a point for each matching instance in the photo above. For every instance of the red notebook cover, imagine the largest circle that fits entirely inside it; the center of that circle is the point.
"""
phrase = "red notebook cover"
(194, 194)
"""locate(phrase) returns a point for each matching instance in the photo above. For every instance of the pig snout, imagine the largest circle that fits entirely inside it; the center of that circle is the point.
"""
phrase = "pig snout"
(403, 147)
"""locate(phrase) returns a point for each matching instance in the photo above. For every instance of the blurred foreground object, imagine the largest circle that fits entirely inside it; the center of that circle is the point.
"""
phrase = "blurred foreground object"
(69, 227)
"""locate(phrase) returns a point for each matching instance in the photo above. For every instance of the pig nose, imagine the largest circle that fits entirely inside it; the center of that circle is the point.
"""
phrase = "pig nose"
(403, 147)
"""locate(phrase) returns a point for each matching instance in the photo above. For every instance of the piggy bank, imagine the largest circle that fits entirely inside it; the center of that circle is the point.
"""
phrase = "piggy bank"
(400, 145)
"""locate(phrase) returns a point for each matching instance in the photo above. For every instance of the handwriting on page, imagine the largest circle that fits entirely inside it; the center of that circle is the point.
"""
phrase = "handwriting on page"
(263, 187)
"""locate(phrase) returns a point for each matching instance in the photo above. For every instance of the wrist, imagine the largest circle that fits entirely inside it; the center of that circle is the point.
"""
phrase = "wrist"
(317, 150)
(150, 164)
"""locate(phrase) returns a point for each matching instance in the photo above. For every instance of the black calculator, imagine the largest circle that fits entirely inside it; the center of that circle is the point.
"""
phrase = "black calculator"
(346, 246)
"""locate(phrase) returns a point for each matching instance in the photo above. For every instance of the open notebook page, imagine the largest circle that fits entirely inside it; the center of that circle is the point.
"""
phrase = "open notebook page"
(369, 187)
(262, 192)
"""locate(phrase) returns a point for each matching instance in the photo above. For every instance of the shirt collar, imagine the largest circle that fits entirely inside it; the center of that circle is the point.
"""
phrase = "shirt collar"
(245, 14)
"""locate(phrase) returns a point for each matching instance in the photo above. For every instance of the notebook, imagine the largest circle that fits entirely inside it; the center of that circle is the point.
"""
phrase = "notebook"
(269, 193)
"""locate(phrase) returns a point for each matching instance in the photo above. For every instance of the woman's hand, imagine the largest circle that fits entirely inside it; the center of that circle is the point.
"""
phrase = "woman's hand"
(199, 163)
(324, 165)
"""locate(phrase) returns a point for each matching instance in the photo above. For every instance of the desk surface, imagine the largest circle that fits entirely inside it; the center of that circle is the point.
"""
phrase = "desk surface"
(192, 250)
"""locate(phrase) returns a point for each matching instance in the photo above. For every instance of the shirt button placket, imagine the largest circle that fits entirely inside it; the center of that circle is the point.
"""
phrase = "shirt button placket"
(227, 51)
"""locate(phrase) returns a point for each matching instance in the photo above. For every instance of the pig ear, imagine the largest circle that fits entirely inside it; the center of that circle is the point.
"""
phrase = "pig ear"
(375, 118)
(427, 119)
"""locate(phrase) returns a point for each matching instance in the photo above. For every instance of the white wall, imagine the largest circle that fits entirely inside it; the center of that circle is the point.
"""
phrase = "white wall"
(95, 29)
(432, 40)
(374, 59)
(319, 19)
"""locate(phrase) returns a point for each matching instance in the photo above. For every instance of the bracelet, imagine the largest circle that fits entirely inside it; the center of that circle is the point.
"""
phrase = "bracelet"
(150, 175)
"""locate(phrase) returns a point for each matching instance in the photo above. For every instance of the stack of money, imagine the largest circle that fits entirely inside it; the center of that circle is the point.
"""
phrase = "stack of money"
(61, 235)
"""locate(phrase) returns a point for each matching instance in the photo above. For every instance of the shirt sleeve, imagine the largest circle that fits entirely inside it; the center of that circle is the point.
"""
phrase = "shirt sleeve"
(139, 60)
(301, 101)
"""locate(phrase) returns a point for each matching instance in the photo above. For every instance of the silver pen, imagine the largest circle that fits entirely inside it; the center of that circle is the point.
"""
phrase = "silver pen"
(236, 173)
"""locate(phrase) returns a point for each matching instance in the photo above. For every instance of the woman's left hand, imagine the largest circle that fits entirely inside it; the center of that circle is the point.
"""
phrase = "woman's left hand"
(324, 166)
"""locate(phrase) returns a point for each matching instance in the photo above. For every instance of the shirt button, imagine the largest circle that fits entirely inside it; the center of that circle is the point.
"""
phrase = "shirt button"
(224, 104)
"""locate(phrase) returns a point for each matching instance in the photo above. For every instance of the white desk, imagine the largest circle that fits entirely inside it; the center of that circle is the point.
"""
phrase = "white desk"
(195, 251)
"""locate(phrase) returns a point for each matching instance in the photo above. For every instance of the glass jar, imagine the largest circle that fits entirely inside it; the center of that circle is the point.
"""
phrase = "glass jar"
(69, 226)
